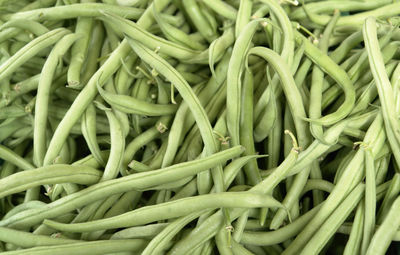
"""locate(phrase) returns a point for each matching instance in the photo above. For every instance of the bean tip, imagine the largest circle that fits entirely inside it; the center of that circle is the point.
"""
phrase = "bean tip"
(101, 106)
(72, 84)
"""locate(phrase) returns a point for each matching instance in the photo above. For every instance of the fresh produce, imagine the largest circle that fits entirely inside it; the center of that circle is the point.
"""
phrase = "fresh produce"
(199, 127)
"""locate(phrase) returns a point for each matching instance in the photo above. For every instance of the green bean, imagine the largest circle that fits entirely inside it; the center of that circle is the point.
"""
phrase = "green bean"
(290, 89)
(328, 66)
(246, 134)
(273, 143)
(388, 51)
(171, 209)
(246, 127)
(266, 124)
(99, 214)
(317, 149)
(132, 105)
(89, 133)
(222, 8)
(156, 161)
(319, 7)
(43, 95)
(30, 50)
(369, 93)
(176, 20)
(138, 142)
(288, 43)
(10, 156)
(383, 236)
(345, 229)
(342, 165)
(10, 127)
(126, 202)
(199, 20)
(22, 207)
(90, 160)
(383, 85)
(95, 247)
(207, 248)
(370, 200)
(223, 244)
(8, 34)
(359, 18)
(158, 243)
(354, 243)
(114, 162)
(188, 190)
(28, 240)
(134, 31)
(80, 48)
(129, 2)
(148, 231)
(317, 184)
(12, 111)
(357, 69)
(20, 89)
(276, 35)
(317, 82)
(139, 166)
(323, 234)
(176, 35)
(382, 168)
(243, 16)
(234, 86)
(316, 174)
(240, 226)
(390, 196)
(48, 175)
(75, 10)
(260, 12)
(281, 234)
(33, 27)
(93, 53)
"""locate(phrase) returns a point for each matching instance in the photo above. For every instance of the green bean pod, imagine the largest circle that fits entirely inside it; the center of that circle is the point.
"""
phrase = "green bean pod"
(383, 236)
(328, 66)
(95, 247)
(43, 92)
(48, 175)
(173, 209)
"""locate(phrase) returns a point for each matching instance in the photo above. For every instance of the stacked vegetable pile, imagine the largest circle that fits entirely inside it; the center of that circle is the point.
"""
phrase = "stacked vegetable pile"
(199, 127)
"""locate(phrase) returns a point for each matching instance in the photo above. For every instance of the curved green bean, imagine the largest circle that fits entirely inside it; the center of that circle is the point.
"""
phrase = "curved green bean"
(339, 75)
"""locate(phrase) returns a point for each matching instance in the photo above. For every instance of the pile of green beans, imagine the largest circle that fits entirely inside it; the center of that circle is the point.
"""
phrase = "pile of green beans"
(201, 127)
